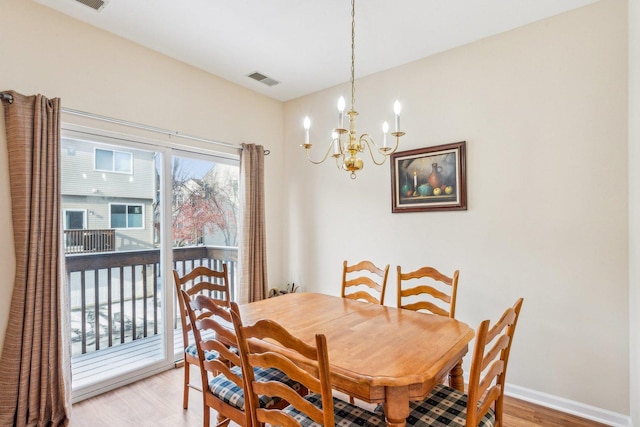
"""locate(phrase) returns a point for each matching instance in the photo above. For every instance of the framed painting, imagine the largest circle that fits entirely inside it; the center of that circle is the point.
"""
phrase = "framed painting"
(429, 179)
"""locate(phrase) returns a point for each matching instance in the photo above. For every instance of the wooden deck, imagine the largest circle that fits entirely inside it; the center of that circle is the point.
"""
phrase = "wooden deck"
(89, 368)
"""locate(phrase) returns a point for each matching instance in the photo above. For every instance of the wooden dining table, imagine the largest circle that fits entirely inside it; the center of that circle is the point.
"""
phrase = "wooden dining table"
(378, 354)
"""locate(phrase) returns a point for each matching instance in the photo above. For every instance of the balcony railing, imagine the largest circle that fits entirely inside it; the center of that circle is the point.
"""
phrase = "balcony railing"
(115, 297)
(82, 241)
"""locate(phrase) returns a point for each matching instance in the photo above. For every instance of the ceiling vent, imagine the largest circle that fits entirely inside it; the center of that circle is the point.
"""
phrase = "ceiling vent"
(263, 79)
(96, 5)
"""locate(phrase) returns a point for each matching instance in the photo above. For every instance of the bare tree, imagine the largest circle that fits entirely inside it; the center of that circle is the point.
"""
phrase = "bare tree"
(205, 206)
(221, 184)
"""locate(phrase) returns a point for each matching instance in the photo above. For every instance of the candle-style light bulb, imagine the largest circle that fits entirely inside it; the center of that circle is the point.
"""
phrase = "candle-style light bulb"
(385, 131)
(307, 124)
(341, 112)
(336, 141)
(396, 109)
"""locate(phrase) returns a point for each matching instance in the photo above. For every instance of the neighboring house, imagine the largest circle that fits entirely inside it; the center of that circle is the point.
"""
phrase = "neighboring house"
(109, 190)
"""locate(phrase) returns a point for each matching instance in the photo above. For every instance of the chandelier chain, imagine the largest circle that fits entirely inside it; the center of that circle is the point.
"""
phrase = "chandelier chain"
(353, 53)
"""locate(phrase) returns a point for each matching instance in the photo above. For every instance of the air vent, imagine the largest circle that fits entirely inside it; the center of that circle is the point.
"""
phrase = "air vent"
(93, 4)
(263, 79)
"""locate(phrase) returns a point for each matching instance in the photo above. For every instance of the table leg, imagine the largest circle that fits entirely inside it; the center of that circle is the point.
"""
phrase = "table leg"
(455, 377)
(396, 407)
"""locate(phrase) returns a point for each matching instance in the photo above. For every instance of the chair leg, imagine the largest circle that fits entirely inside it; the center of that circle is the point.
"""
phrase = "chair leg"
(185, 398)
(206, 415)
(223, 421)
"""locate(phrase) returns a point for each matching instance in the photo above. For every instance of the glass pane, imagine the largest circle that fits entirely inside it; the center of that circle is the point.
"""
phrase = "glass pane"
(104, 160)
(118, 217)
(74, 220)
(134, 216)
(205, 206)
(113, 270)
(204, 211)
(122, 162)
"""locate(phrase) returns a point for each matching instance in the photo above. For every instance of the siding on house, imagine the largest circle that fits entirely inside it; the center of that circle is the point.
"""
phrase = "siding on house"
(85, 188)
(81, 177)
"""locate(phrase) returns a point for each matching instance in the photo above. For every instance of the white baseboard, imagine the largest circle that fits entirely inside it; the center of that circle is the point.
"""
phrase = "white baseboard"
(569, 406)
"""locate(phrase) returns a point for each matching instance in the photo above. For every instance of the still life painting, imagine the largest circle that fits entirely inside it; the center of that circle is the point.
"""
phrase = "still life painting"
(428, 179)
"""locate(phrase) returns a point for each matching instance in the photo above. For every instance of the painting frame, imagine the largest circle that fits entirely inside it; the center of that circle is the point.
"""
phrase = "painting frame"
(415, 175)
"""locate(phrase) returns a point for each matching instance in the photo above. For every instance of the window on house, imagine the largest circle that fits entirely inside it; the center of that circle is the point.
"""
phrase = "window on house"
(126, 216)
(113, 161)
(74, 219)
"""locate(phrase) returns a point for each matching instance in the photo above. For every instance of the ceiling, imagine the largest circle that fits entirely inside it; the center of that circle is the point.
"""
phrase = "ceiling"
(305, 44)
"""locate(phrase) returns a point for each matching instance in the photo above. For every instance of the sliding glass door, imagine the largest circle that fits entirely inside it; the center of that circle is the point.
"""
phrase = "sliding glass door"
(204, 214)
(110, 196)
(132, 212)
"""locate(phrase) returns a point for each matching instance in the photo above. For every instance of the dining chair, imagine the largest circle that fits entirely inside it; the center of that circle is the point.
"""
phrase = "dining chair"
(364, 281)
(199, 280)
(428, 289)
(482, 405)
(308, 364)
(222, 376)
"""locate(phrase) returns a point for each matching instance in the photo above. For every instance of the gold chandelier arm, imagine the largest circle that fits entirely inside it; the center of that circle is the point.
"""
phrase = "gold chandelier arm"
(365, 139)
(307, 148)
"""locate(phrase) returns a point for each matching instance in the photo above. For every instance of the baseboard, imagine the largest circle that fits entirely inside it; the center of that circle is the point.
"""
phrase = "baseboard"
(569, 406)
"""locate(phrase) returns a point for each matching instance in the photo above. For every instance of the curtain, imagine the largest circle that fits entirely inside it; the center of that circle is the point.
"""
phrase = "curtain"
(35, 365)
(252, 251)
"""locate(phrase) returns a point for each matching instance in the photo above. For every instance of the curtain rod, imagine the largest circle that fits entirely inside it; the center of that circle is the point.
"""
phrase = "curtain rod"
(7, 97)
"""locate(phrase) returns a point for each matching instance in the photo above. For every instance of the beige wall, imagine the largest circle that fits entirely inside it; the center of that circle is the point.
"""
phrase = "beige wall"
(91, 70)
(543, 109)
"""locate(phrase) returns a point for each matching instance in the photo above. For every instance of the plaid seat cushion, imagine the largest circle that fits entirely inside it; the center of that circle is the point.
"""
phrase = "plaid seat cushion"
(444, 407)
(193, 351)
(345, 414)
(227, 391)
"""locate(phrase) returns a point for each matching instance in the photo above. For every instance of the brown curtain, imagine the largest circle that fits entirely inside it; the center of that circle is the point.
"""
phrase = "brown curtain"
(253, 242)
(34, 368)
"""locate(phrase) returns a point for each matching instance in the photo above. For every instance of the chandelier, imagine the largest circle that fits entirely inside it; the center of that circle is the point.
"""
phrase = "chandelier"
(345, 144)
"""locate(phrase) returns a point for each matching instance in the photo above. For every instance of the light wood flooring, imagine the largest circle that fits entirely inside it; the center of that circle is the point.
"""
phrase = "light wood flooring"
(157, 401)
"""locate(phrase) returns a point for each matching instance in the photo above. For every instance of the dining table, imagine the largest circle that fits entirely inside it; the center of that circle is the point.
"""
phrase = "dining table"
(378, 354)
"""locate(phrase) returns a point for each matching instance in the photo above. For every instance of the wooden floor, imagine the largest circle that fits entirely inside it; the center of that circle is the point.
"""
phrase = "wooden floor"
(157, 401)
